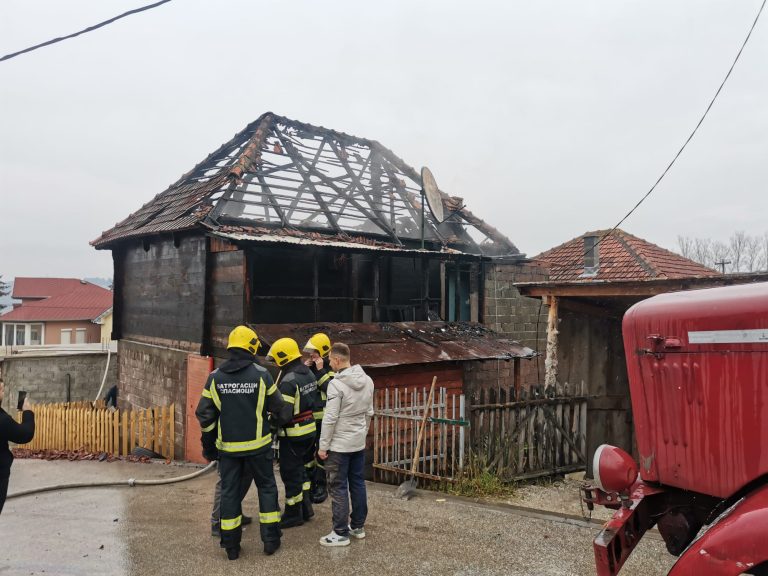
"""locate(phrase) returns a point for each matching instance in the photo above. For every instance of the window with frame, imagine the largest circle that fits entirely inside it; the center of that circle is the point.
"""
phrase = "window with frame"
(80, 334)
(66, 336)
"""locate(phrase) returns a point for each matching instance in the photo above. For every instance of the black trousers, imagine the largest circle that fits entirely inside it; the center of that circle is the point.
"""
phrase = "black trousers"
(318, 476)
(3, 492)
(295, 455)
(232, 470)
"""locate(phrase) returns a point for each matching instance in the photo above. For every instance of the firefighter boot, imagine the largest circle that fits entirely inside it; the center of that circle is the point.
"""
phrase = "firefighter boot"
(319, 493)
(292, 516)
(271, 547)
(306, 506)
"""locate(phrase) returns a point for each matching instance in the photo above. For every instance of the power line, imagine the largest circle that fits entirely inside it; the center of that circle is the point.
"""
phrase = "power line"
(84, 30)
(679, 152)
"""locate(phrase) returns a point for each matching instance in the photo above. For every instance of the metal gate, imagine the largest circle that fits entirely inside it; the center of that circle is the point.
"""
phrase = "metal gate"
(398, 416)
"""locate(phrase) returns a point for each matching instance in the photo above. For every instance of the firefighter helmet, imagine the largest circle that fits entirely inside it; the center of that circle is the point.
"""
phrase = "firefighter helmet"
(283, 351)
(245, 338)
(319, 342)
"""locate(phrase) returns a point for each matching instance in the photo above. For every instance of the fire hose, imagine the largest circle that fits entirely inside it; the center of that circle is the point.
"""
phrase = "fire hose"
(130, 482)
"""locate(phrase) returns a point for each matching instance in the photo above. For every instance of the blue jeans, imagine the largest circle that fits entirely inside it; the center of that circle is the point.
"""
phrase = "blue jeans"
(345, 471)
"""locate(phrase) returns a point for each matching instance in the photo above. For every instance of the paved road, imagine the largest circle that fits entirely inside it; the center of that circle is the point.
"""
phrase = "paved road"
(165, 530)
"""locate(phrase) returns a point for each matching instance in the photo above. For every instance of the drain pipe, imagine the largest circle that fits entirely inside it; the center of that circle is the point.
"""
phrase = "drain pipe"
(104, 379)
(130, 482)
(69, 387)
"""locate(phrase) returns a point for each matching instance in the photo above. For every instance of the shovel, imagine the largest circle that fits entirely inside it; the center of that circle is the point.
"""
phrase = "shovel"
(407, 489)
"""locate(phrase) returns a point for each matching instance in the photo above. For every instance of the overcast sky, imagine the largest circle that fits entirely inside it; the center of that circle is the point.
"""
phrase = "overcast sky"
(550, 118)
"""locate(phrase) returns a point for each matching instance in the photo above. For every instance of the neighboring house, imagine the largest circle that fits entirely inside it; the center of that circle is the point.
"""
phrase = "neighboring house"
(591, 285)
(56, 311)
(296, 228)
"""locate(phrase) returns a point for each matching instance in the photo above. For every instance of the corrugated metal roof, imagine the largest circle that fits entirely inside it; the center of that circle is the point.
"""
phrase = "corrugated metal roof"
(392, 344)
(318, 240)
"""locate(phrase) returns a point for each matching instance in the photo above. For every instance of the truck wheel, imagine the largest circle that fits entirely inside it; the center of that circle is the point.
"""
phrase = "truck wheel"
(759, 570)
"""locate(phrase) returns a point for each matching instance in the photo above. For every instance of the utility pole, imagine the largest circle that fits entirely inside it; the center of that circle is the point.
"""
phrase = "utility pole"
(722, 264)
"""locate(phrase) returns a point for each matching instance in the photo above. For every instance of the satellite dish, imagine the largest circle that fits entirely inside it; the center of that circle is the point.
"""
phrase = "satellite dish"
(432, 194)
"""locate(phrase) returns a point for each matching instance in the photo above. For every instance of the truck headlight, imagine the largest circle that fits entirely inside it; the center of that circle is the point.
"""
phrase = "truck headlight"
(614, 469)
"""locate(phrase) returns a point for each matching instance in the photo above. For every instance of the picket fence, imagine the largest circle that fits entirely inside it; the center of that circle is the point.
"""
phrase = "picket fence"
(83, 426)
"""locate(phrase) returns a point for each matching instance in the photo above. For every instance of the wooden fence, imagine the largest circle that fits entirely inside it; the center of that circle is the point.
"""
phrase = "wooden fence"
(398, 415)
(524, 434)
(93, 428)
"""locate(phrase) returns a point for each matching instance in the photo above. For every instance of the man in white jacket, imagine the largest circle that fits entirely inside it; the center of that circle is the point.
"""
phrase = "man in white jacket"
(348, 414)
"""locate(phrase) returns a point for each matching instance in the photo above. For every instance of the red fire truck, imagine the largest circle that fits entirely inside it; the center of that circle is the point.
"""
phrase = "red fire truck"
(698, 374)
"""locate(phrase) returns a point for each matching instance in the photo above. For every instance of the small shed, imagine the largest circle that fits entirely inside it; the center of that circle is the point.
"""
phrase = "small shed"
(593, 281)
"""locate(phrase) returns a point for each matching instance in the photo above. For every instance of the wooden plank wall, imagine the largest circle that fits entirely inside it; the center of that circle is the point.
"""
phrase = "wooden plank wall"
(591, 354)
(162, 291)
(226, 295)
(532, 432)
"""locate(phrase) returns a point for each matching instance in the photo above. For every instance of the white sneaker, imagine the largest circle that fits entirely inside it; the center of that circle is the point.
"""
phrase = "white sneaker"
(358, 533)
(334, 539)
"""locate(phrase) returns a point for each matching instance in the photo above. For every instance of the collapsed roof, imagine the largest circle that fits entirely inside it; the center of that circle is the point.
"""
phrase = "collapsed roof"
(287, 178)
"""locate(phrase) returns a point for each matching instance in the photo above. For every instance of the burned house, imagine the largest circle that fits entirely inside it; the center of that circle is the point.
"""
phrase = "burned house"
(294, 228)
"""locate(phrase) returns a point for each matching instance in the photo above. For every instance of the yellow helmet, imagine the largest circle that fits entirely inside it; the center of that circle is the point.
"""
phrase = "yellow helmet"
(319, 342)
(283, 351)
(245, 338)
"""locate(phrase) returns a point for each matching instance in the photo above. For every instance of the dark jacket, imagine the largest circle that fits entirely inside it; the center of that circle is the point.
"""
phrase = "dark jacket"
(323, 376)
(12, 431)
(234, 409)
(299, 389)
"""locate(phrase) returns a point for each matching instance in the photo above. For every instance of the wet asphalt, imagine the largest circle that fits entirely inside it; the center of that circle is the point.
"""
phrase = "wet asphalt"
(166, 530)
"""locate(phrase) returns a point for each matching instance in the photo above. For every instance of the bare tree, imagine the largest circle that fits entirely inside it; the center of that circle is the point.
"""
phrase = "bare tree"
(5, 288)
(686, 246)
(742, 252)
(702, 251)
(753, 254)
(722, 257)
(738, 242)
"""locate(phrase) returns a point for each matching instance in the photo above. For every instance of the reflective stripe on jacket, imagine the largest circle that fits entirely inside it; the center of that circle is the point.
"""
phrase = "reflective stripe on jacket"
(299, 388)
(234, 409)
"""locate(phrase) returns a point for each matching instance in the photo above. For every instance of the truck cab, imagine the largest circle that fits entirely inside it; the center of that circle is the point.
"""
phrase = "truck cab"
(697, 363)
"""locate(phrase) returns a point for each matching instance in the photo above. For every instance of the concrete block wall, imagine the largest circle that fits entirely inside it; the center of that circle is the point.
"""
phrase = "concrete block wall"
(154, 376)
(486, 374)
(45, 377)
(514, 316)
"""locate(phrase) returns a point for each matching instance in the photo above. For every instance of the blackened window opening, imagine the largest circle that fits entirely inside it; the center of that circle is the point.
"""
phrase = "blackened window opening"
(310, 284)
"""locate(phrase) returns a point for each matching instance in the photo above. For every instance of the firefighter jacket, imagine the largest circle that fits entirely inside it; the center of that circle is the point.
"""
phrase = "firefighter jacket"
(323, 376)
(299, 389)
(234, 409)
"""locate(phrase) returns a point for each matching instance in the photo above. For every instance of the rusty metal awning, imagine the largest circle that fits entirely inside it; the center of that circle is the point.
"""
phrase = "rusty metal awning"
(381, 345)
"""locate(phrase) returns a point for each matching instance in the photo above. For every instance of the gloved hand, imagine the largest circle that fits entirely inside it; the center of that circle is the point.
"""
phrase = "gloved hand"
(210, 454)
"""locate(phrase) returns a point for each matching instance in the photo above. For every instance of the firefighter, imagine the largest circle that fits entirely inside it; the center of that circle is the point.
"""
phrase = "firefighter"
(233, 413)
(318, 347)
(297, 439)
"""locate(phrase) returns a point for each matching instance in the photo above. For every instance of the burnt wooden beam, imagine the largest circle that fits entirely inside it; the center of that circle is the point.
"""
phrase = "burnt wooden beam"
(550, 364)
(376, 287)
(316, 286)
(357, 184)
(273, 201)
(307, 170)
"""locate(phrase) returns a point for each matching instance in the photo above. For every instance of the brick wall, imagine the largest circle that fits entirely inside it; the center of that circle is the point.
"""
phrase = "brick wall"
(514, 316)
(45, 377)
(154, 376)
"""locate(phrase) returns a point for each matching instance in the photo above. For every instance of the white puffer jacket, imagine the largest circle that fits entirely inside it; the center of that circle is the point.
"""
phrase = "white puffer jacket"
(348, 411)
